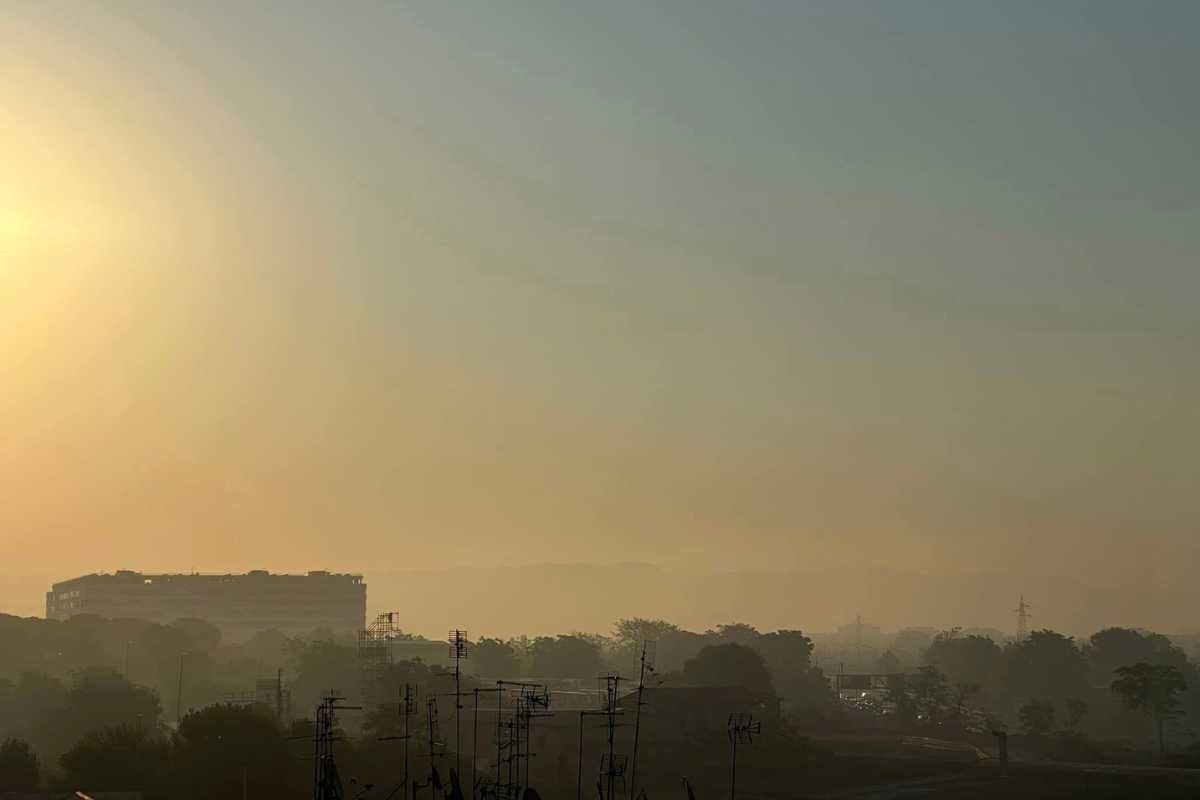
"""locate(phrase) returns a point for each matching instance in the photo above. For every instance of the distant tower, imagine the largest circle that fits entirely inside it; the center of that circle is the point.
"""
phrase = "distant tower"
(1022, 619)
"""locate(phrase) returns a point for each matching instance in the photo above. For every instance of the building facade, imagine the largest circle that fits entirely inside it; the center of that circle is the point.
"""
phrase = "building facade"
(239, 605)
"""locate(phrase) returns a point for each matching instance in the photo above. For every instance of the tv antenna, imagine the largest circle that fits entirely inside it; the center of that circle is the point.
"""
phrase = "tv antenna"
(327, 784)
(407, 707)
(458, 653)
(741, 729)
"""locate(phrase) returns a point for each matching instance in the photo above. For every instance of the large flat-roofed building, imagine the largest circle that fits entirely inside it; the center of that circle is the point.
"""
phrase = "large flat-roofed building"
(240, 605)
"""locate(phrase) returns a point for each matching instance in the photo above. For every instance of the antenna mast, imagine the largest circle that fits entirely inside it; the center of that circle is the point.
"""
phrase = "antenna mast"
(458, 652)
(647, 665)
(1023, 616)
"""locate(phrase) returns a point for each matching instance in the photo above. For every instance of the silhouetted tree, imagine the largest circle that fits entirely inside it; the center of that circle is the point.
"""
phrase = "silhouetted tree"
(1077, 709)
(320, 665)
(734, 633)
(965, 659)
(30, 708)
(565, 657)
(118, 759)
(101, 697)
(1154, 689)
(930, 693)
(1037, 717)
(218, 748)
(788, 654)
(635, 630)
(493, 658)
(1117, 647)
(19, 768)
(675, 648)
(202, 635)
(729, 665)
(1046, 665)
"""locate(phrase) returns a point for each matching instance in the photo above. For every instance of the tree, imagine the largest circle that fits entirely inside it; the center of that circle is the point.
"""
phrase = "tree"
(494, 658)
(965, 659)
(118, 759)
(675, 648)
(635, 630)
(222, 748)
(565, 657)
(101, 697)
(1046, 665)
(319, 665)
(801, 685)
(1116, 647)
(1037, 717)
(930, 692)
(729, 665)
(1076, 710)
(203, 635)
(1153, 689)
(734, 633)
(19, 767)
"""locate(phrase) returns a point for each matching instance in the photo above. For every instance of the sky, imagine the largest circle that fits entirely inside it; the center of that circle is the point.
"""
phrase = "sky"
(714, 286)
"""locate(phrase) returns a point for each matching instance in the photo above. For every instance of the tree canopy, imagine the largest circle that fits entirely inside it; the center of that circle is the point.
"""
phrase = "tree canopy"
(729, 665)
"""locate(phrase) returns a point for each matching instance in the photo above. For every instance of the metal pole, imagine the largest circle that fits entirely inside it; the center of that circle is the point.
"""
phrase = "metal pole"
(733, 771)
(499, 714)
(637, 724)
(407, 703)
(579, 782)
(179, 693)
(458, 701)
(475, 745)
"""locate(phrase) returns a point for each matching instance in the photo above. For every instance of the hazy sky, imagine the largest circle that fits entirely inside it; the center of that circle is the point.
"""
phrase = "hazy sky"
(712, 285)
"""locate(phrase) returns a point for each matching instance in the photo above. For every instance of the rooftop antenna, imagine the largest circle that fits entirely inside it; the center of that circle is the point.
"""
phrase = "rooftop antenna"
(612, 766)
(458, 652)
(407, 707)
(1023, 615)
(475, 740)
(647, 665)
(518, 726)
(741, 729)
(327, 784)
(434, 781)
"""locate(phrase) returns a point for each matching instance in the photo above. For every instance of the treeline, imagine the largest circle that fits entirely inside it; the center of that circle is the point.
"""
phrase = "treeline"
(108, 705)
(84, 696)
(1066, 696)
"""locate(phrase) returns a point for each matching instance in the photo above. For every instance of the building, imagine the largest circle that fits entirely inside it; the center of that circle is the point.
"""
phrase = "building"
(240, 605)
